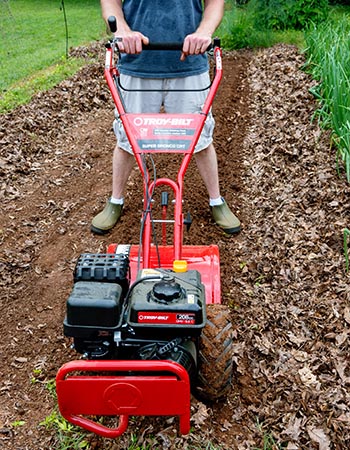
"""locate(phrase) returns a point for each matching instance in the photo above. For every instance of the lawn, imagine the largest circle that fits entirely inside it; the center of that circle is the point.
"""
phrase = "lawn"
(33, 34)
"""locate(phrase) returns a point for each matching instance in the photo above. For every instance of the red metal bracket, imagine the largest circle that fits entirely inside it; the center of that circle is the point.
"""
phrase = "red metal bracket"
(130, 388)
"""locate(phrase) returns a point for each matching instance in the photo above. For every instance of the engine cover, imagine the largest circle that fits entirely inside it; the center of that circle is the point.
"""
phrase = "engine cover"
(174, 304)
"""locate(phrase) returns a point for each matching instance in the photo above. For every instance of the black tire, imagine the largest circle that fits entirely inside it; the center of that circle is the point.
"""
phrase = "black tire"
(215, 355)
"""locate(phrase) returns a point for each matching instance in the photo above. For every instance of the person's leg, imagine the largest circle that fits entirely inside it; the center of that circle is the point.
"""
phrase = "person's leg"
(205, 154)
(123, 158)
(208, 168)
(123, 162)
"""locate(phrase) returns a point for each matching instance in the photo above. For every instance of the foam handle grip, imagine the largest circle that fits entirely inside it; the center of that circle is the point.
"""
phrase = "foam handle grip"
(112, 23)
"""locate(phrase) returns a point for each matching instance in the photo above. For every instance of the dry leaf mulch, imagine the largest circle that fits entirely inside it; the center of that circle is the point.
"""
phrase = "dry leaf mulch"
(293, 343)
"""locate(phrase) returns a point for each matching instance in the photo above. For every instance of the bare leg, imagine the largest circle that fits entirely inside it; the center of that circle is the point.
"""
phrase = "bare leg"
(123, 162)
(208, 168)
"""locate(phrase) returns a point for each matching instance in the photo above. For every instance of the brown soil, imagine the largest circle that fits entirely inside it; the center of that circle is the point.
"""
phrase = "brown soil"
(283, 276)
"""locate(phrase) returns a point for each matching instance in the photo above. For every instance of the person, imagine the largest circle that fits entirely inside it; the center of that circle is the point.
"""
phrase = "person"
(140, 22)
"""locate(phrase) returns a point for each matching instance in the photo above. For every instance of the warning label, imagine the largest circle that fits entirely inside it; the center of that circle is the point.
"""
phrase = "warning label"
(173, 132)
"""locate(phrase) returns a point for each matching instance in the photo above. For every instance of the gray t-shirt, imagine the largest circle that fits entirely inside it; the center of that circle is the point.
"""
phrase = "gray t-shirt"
(163, 21)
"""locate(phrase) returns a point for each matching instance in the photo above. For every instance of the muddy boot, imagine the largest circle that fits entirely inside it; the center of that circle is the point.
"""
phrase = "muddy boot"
(225, 218)
(106, 219)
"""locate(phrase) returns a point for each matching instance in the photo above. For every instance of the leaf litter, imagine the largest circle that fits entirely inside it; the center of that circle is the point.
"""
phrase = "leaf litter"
(283, 276)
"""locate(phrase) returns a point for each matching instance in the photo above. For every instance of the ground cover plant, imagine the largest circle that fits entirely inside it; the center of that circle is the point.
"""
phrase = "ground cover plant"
(252, 24)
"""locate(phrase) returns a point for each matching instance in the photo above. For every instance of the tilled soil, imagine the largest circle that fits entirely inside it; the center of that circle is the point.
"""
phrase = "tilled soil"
(283, 276)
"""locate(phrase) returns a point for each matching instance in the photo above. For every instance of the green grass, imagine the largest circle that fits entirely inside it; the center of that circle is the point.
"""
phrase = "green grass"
(22, 91)
(33, 44)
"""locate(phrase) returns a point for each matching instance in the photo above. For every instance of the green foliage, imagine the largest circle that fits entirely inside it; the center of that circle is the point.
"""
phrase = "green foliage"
(238, 30)
(289, 14)
(69, 437)
(18, 423)
(328, 52)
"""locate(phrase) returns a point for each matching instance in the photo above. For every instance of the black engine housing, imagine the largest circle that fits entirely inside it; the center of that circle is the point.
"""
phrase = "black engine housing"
(160, 316)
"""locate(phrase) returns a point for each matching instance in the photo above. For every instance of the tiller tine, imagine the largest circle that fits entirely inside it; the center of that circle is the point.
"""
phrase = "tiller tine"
(122, 388)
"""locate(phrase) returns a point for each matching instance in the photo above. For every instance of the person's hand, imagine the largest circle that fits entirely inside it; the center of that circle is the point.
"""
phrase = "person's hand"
(195, 44)
(131, 42)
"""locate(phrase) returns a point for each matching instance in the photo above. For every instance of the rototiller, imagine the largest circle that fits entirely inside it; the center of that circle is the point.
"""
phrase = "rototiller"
(148, 318)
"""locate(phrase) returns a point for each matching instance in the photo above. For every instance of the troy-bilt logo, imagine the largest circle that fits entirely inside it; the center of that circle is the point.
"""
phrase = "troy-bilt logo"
(153, 317)
(172, 121)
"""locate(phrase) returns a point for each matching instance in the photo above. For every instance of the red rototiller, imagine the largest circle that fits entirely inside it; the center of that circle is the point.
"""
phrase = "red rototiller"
(148, 318)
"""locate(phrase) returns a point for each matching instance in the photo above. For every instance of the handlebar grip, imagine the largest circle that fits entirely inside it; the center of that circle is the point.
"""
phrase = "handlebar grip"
(112, 23)
(167, 46)
(163, 46)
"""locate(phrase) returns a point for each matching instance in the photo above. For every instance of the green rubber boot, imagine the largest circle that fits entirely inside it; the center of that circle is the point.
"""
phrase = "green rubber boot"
(106, 219)
(225, 218)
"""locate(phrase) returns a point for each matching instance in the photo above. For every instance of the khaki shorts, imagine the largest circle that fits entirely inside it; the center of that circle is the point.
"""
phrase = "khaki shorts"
(173, 102)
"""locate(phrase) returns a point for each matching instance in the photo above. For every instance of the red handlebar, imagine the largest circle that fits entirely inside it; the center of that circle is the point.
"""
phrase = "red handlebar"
(133, 129)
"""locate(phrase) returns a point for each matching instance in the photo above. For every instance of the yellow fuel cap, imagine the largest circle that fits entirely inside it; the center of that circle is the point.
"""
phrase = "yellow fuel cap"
(180, 265)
